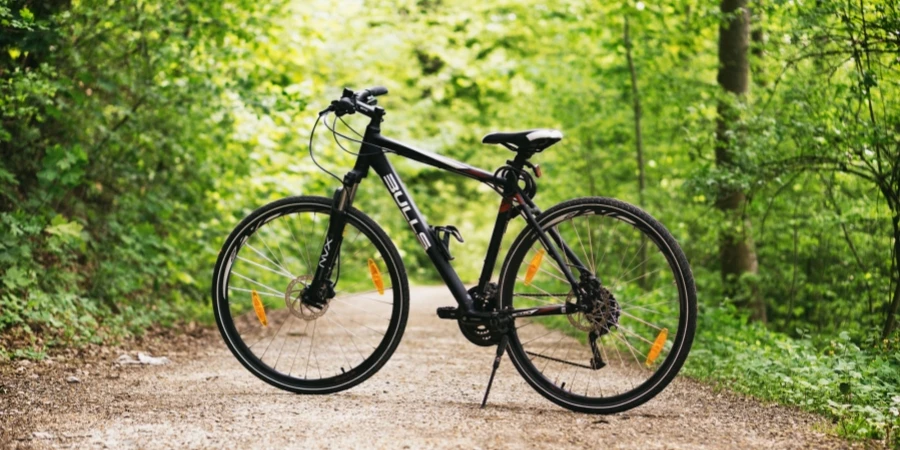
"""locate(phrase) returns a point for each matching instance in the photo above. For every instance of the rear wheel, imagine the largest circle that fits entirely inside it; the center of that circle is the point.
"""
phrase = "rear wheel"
(263, 268)
(642, 315)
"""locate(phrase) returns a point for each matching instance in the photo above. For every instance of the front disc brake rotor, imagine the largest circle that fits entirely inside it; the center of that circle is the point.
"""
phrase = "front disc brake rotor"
(292, 298)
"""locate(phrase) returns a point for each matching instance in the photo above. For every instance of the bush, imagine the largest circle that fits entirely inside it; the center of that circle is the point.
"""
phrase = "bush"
(859, 388)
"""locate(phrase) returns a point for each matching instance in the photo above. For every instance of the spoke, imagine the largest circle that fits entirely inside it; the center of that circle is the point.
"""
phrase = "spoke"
(354, 334)
(361, 355)
(644, 275)
(281, 351)
(539, 337)
(346, 358)
(615, 227)
(273, 340)
(297, 353)
(642, 321)
(578, 235)
(628, 344)
(644, 295)
(281, 296)
(371, 299)
(564, 360)
(632, 333)
(278, 246)
(354, 305)
(631, 307)
(366, 327)
(591, 245)
(286, 275)
(257, 283)
(263, 256)
(552, 263)
(276, 262)
(554, 276)
(555, 348)
(619, 277)
(303, 248)
(311, 344)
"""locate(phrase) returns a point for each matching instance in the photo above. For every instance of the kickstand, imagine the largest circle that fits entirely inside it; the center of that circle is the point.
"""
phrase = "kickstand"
(500, 349)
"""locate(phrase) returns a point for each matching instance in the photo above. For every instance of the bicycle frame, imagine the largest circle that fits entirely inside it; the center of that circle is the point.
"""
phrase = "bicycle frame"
(373, 156)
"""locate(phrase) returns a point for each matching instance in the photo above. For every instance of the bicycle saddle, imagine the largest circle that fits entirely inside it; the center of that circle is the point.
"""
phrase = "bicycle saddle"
(532, 140)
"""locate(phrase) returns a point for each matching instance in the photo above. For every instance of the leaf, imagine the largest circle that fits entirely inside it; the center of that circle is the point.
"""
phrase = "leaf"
(844, 387)
(60, 227)
(26, 14)
(14, 52)
(17, 277)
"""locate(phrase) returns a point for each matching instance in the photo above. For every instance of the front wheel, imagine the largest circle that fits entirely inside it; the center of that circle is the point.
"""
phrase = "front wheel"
(261, 273)
(639, 328)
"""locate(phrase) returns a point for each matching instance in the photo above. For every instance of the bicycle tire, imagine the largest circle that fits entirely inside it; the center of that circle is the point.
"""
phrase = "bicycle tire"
(512, 291)
(227, 309)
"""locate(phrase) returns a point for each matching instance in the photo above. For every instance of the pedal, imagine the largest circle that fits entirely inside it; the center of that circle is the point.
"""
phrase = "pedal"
(443, 236)
(448, 312)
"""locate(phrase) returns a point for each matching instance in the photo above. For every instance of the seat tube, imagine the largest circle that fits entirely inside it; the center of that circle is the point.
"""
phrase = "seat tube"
(490, 259)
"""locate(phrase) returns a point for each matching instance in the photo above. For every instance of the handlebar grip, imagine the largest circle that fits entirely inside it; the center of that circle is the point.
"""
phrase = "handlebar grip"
(377, 91)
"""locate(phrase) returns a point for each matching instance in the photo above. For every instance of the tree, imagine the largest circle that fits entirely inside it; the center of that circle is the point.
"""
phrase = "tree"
(738, 257)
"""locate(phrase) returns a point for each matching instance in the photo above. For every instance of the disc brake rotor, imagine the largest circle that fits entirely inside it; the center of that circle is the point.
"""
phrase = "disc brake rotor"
(292, 298)
(604, 314)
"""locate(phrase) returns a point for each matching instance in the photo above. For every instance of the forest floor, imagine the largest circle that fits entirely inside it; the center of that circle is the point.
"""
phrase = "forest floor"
(427, 396)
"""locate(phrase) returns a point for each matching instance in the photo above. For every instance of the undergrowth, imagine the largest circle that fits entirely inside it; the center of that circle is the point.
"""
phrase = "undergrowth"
(856, 386)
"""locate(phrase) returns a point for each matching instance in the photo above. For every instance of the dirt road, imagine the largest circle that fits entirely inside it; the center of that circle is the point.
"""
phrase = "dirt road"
(427, 396)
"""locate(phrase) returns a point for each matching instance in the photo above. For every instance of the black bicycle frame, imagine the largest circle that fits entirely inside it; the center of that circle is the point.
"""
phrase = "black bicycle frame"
(372, 155)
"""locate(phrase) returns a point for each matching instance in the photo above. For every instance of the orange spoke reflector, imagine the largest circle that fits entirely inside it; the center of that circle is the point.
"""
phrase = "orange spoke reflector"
(376, 276)
(534, 266)
(657, 346)
(260, 310)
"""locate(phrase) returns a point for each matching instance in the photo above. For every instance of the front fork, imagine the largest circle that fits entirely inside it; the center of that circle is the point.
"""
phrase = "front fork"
(321, 288)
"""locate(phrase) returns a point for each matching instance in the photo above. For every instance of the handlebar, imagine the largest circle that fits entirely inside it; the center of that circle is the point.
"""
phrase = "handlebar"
(352, 102)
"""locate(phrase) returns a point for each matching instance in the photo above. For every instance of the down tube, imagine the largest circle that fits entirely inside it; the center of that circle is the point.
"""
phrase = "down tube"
(421, 229)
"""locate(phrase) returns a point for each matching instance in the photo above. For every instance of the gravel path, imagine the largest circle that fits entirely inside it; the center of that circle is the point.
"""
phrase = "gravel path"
(427, 396)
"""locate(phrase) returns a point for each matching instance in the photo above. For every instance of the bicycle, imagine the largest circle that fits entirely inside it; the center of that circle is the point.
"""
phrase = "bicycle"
(342, 280)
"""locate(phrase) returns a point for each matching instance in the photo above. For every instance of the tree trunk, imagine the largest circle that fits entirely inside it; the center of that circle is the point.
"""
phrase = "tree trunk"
(758, 39)
(639, 147)
(738, 257)
(890, 320)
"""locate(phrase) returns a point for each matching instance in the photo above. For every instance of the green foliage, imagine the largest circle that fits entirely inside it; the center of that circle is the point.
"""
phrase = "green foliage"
(108, 142)
(856, 386)
(134, 136)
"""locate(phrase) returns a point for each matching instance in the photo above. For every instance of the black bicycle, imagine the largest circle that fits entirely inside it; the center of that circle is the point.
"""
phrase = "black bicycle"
(595, 301)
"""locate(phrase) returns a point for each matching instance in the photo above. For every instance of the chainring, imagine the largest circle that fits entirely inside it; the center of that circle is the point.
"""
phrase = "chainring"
(482, 334)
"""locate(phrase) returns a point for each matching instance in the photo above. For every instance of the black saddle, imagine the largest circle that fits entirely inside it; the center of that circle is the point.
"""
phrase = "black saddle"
(530, 140)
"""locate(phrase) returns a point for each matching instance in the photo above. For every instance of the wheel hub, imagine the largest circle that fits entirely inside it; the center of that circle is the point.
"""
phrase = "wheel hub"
(603, 310)
(293, 298)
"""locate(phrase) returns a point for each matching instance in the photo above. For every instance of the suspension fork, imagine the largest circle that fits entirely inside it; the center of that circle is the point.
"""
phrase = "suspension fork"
(321, 287)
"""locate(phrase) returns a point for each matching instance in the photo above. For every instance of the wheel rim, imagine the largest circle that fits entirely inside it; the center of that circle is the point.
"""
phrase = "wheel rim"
(648, 290)
(292, 345)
